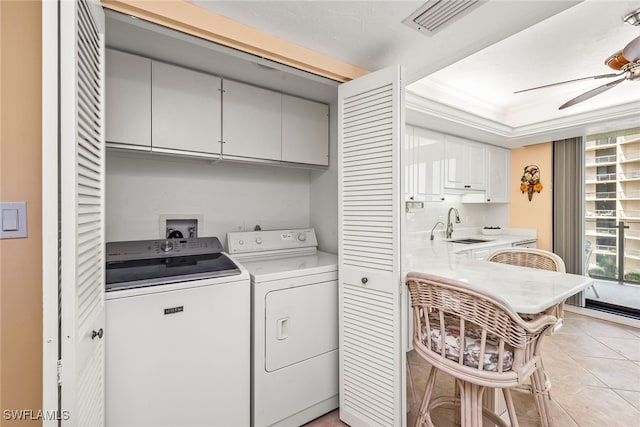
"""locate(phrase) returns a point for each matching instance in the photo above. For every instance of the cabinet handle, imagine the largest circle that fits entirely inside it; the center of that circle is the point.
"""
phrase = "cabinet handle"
(467, 186)
(442, 198)
(98, 334)
(488, 200)
(364, 280)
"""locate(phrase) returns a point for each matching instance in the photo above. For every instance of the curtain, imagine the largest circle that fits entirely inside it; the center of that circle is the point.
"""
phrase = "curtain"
(568, 206)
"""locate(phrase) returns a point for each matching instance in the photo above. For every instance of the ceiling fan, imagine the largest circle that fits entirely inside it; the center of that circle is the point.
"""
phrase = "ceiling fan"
(626, 61)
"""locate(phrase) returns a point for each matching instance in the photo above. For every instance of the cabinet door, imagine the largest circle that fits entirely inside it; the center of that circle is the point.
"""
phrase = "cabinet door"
(186, 109)
(252, 122)
(475, 170)
(428, 173)
(499, 163)
(408, 164)
(305, 131)
(128, 99)
(455, 167)
(464, 164)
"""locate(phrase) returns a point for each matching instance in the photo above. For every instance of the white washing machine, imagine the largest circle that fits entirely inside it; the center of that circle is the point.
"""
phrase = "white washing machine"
(177, 335)
(294, 291)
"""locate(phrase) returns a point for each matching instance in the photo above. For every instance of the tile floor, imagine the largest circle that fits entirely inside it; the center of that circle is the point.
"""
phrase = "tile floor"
(594, 367)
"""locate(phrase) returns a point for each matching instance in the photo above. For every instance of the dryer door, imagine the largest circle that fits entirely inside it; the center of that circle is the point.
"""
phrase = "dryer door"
(301, 323)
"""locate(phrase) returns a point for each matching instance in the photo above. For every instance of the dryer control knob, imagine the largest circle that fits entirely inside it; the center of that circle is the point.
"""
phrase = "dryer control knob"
(259, 240)
(241, 242)
(166, 246)
(302, 237)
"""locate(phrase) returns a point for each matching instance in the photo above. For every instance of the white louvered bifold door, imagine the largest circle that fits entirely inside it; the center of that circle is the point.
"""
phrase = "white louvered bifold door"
(82, 157)
(372, 362)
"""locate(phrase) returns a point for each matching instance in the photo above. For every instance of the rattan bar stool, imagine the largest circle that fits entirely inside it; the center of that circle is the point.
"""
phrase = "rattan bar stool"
(533, 258)
(544, 260)
(478, 339)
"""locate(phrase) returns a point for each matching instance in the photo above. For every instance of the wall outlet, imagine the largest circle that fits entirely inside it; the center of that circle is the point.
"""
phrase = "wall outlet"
(412, 206)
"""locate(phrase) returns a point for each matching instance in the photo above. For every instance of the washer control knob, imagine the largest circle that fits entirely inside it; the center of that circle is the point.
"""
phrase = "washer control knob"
(166, 246)
(259, 240)
(302, 237)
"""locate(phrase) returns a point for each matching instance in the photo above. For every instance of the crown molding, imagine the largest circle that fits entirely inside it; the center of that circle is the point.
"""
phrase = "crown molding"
(624, 115)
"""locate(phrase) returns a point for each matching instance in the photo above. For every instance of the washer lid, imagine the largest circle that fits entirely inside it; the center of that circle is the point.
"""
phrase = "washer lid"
(137, 273)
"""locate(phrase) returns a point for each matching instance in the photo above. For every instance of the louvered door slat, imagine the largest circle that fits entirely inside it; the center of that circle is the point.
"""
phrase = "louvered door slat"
(371, 363)
(82, 210)
(365, 159)
(370, 245)
(369, 113)
(365, 141)
(364, 237)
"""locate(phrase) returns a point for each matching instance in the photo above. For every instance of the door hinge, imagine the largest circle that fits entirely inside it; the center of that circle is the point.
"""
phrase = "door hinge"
(59, 372)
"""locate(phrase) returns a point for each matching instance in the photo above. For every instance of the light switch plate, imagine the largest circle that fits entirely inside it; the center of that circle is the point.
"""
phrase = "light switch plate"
(13, 220)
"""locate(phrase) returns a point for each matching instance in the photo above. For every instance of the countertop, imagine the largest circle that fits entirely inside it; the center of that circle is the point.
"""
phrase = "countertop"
(527, 290)
(421, 239)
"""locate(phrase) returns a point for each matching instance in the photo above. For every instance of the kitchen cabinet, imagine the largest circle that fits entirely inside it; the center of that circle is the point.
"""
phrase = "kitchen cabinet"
(425, 151)
(186, 109)
(165, 108)
(409, 164)
(464, 164)
(498, 174)
(127, 100)
(305, 131)
(252, 122)
(481, 253)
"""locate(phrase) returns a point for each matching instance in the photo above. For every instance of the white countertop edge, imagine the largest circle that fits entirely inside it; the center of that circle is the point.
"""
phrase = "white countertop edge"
(527, 290)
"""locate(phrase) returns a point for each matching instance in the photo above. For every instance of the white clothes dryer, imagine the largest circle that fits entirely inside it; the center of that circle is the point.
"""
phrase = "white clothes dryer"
(294, 325)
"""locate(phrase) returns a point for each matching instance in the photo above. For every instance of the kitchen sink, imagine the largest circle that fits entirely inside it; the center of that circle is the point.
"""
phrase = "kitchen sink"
(469, 241)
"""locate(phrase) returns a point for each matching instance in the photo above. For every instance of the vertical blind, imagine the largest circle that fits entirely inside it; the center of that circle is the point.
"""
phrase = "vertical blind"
(568, 206)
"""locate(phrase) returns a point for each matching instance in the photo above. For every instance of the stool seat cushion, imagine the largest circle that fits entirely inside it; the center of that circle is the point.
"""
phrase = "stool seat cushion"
(471, 348)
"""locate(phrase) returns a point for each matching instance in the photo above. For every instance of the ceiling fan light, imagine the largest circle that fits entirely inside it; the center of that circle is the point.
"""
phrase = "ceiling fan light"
(633, 18)
(616, 61)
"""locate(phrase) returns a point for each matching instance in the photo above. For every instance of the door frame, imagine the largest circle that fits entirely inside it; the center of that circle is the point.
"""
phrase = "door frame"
(50, 211)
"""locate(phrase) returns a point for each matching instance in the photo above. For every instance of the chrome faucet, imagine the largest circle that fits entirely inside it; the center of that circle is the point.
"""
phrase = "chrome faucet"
(450, 224)
(434, 227)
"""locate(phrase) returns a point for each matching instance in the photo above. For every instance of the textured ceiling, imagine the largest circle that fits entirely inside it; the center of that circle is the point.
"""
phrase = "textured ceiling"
(475, 64)
(371, 35)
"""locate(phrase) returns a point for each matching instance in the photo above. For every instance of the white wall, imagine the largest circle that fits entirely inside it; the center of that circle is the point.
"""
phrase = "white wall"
(472, 215)
(141, 187)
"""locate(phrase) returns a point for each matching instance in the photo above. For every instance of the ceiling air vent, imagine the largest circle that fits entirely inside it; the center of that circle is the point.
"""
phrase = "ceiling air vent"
(436, 14)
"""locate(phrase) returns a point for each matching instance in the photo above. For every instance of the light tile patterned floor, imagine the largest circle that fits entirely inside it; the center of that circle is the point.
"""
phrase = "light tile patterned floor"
(594, 367)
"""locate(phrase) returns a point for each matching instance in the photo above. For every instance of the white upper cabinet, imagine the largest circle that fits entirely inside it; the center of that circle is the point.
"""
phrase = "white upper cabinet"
(305, 131)
(428, 149)
(160, 107)
(464, 164)
(252, 122)
(408, 184)
(424, 155)
(128, 100)
(186, 110)
(498, 174)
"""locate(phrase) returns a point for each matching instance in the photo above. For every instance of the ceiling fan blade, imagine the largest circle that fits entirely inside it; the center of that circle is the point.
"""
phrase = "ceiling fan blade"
(632, 50)
(601, 76)
(591, 93)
